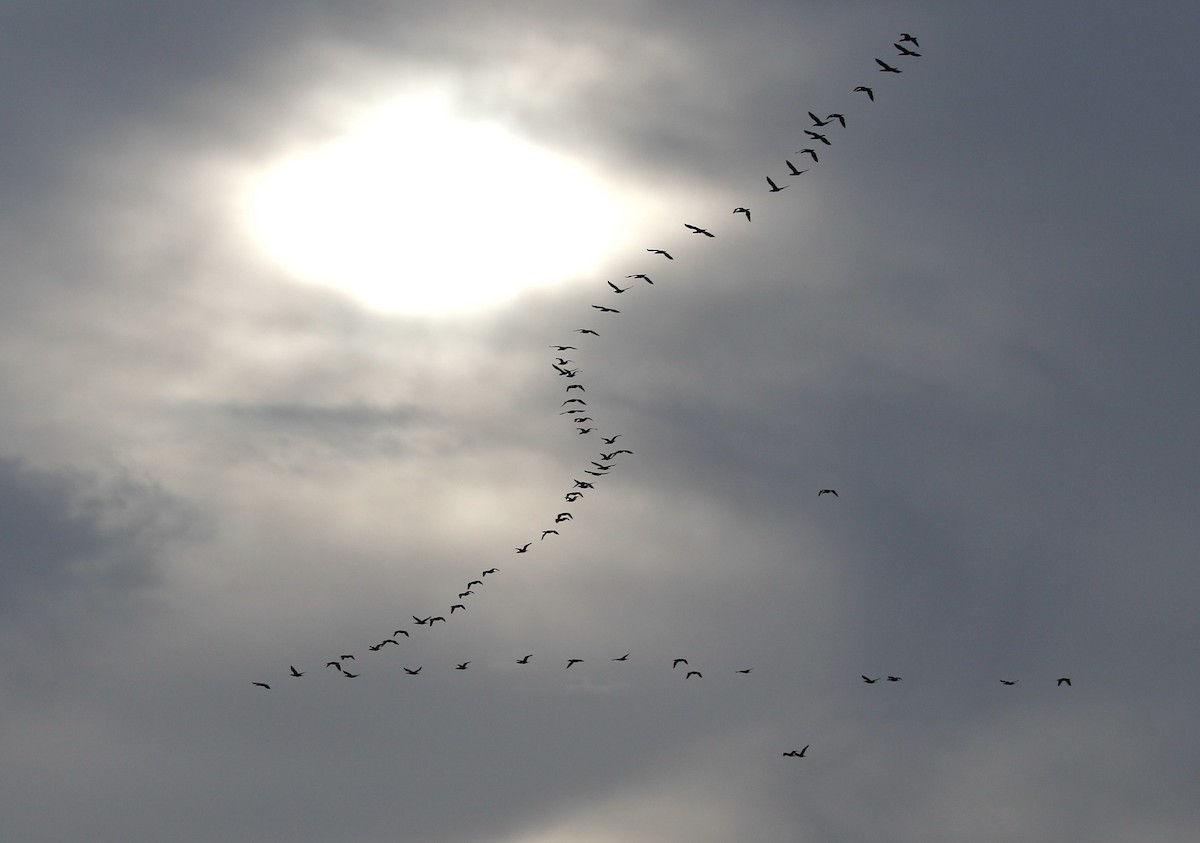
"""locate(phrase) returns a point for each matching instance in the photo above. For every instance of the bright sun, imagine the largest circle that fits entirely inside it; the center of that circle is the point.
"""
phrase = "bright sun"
(419, 210)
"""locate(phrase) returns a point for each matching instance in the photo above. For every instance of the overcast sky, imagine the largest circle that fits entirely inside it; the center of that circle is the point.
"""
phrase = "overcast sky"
(974, 318)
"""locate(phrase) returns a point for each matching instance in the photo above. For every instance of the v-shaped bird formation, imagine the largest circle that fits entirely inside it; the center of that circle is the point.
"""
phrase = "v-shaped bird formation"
(820, 134)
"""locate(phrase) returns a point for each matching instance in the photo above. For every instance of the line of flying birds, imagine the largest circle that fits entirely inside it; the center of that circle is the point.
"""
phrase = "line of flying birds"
(577, 411)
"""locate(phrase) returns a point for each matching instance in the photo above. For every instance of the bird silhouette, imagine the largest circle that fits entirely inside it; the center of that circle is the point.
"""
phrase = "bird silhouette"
(747, 670)
(678, 662)
(828, 492)
(587, 331)
(548, 533)
(294, 671)
(818, 136)
(745, 211)
(1009, 681)
(884, 67)
(348, 657)
(666, 255)
(774, 187)
(610, 440)
(489, 571)
(457, 606)
(351, 675)
(645, 278)
(870, 681)
(870, 92)
(414, 672)
(604, 309)
(811, 152)
(692, 673)
(563, 516)
(262, 685)
(695, 229)
(906, 38)
(895, 678)
(525, 660)
(462, 666)
(565, 347)
(817, 121)
(621, 658)
(404, 632)
(573, 661)
(904, 51)
(792, 168)
(841, 118)
(1064, 680)
(617, 289)
(798, 753)
(524, 548)
(334, 664)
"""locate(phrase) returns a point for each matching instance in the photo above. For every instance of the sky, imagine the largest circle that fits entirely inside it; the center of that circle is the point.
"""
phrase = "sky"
(280, 286)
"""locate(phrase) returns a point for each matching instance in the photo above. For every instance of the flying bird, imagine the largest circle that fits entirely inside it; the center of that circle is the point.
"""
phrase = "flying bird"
(348, 657)
(645, 278)
(621, 658)
(351, 675)
(895, 678)
(466, 593)
(617, 289)
(904, 51)
(695, 229)
(462, 666)
(573, 401)
(1009, 681)
(438, 618)
(774, 187)
(841, 118)
(525, 660)
(457, 606)
(678, 662)
(818, 136)
(474, 582)
(404, 632)
(610, 441)
(572, 661)
(792, 168)
(334, 664)
(747, 670)
(578, 386)
(564, 347)
(798, 754)
(666, 255)
(828, 492)
(547, 533)
(870, 681)
(745, 211)
(584, 430)
(587, 331)
(262, 685)
(817, 121)
(692, 673)
(374, 647)
(421, 621)
(884, 67)
(294, 671)
(811, 152)
(414, 672)
(489, 571)
(906, 38)
(563, 516)
(524, 548)
(870, 92)
(1064, 680)
(604, 309)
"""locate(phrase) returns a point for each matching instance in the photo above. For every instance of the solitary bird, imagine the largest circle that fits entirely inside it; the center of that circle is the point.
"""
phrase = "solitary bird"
(262, 685)
(870, 681)
(884, 67)
(894, 678)
(1009, 681)
(414, 672)
(745, 211)
(818, 136)
(870, 92)
(645, 278)
(525, 660)
(1064, 680)
(294, 671)
(747, 670)
(462, 666)
(621, 658)
(811, 152)
(792, 168)
(678, 662)
(828, 492)
(573, 661)
(695, 229)
(774, 187)
(524, 548)
(666, 255)
(798, 754)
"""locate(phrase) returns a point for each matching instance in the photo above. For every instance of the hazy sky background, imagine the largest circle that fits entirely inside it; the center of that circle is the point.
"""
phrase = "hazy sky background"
(974, 318)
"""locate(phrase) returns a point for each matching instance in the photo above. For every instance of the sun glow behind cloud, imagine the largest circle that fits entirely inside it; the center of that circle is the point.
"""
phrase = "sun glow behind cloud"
(417, 209)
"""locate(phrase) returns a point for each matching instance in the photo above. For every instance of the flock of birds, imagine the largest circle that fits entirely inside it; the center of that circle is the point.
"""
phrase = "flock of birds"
(575, 408)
